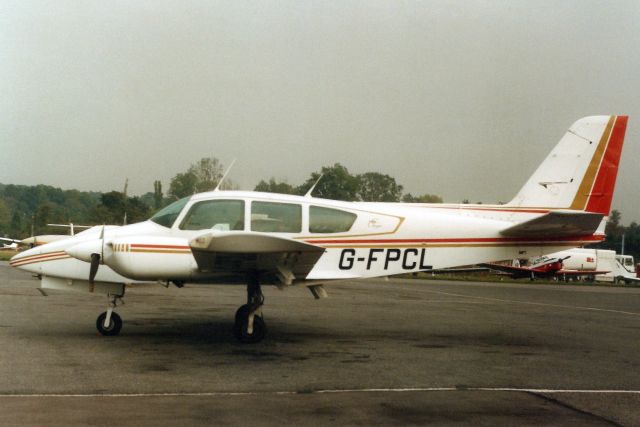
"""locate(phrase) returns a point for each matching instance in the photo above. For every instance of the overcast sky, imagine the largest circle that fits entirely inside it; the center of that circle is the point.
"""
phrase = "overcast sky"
(461, 99)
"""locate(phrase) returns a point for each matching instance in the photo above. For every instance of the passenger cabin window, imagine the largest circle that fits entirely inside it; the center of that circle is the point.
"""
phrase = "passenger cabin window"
(167, 216)
(276, 217)
(326, 220)
(221, 215)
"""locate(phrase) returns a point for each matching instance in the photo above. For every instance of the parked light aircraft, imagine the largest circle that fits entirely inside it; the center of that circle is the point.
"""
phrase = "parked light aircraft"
(43, 239)
(12, 243)
(545, 269)
(260, 238)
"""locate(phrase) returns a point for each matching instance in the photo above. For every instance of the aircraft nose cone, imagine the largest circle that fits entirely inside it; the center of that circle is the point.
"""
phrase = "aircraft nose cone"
(83, 251)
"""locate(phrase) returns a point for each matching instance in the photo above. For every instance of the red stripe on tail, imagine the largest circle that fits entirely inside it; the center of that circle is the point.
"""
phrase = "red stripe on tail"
(602, 192)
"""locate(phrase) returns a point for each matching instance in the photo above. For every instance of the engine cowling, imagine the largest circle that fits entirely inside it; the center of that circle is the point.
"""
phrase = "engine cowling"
(151, 258)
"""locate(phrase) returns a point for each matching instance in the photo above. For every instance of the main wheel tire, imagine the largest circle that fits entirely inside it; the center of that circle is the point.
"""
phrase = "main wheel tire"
(241, 313)
(114, 325)
(258, 334)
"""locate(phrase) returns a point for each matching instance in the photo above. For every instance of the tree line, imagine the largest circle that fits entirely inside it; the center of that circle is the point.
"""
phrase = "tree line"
(616, 233)
(26, 210)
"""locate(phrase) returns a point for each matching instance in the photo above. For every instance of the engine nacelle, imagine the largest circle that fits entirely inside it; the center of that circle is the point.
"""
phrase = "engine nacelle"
(150, 258)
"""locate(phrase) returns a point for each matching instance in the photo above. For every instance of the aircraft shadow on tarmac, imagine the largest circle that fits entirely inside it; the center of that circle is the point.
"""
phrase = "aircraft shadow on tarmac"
(214, 335)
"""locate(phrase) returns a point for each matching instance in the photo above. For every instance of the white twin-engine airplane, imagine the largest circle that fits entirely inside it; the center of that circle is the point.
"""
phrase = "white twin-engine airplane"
(260, 238)
(12, 243)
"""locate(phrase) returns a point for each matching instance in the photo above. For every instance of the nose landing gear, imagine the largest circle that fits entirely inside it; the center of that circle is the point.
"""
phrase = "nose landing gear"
(109, 323)
(249, 326)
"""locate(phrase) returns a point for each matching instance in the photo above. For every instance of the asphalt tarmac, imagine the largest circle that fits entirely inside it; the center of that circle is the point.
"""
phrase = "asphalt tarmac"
(397, 352)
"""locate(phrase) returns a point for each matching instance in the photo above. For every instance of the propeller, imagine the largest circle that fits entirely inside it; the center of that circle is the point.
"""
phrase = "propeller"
(96, 259)
(93, 270)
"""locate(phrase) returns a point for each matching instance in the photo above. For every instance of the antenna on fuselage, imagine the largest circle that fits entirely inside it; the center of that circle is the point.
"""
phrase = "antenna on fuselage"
(313, 186)
(224, 175)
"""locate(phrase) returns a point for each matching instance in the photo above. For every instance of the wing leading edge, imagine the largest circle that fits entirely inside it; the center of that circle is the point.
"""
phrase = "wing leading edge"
(284, 260)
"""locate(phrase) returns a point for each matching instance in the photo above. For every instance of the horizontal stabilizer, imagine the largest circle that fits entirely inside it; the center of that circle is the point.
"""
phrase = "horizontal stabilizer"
(557, 224)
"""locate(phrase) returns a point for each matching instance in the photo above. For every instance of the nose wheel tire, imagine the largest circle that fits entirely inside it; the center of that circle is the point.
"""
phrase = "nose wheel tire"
(249, 327)
(240, 328)
(115, 324)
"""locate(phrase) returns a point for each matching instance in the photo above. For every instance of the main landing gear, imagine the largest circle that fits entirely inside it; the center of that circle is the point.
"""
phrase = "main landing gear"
(249, 327)
(109, 323)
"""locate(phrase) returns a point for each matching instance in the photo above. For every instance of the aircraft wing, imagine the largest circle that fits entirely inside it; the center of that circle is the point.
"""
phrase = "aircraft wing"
(10, 240)
(281, 259)
(514, 272)
(557, 224)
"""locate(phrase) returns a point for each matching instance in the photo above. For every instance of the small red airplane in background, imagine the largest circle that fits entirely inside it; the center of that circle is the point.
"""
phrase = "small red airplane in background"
(546, 268)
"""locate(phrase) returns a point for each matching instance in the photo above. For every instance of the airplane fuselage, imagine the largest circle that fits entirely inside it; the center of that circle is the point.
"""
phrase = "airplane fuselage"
(383, 239)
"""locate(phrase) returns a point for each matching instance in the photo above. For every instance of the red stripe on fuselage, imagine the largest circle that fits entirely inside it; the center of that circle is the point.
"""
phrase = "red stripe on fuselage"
(494, 209)
(32, 260)
(146, 246)
(35, 257)
(514, 240)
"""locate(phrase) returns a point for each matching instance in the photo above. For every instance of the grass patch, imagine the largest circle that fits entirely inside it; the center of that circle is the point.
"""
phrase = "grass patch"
(6, 255)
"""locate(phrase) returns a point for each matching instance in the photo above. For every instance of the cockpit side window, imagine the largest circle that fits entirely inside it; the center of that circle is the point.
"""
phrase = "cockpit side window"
(221, 215)
(327, 220)
(276, 217)
(167, 216)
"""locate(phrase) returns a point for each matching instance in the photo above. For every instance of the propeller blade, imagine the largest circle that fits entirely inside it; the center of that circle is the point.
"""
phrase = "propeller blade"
(96, 258)
(95, 263)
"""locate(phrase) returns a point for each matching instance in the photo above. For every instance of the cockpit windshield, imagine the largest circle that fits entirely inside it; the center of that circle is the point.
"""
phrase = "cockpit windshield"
(167, 216)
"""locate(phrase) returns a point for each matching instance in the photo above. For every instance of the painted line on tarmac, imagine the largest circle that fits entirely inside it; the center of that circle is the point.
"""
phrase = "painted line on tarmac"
(575, 307)
(326, 391)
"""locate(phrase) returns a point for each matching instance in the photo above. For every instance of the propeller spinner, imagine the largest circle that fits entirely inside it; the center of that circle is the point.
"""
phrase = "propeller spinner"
(91, 252)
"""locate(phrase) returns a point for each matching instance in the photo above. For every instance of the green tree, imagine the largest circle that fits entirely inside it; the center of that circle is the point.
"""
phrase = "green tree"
(201, 176)
(425, 198)
(137, 210)
(157, 194)
(275, 187)
(113, 206)
(5, 218)
(377, 187)
(614, 227)
(42, 217)
(183, 185)
(208, 172)
(16, 226)
(336, 183)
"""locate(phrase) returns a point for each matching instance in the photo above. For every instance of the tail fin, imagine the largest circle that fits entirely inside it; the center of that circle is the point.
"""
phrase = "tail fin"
(580, 172)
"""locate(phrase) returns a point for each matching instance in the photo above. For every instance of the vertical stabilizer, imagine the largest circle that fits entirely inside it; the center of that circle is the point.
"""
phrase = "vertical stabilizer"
(580, 172)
